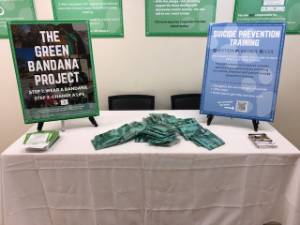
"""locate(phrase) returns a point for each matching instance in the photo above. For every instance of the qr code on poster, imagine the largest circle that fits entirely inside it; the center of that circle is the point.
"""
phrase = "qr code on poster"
(241, 106)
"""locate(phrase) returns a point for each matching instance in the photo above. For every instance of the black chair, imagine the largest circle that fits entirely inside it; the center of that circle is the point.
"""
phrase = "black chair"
(131, 102)
(186, 101)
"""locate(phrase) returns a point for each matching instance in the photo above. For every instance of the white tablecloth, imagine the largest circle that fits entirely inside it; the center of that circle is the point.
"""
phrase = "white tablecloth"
(137, 184)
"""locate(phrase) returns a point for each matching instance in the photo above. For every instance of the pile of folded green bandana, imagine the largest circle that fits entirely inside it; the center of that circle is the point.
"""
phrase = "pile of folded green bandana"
(159, 130)
(191, 130)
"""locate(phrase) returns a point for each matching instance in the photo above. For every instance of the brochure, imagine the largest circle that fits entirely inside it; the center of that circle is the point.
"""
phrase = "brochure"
(262, 140)
(41, 141)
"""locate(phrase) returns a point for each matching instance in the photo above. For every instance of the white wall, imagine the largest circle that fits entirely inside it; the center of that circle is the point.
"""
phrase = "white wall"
(160, 66)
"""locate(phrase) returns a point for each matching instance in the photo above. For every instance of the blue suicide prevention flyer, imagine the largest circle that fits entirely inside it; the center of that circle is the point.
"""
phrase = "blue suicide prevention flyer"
(242, 70)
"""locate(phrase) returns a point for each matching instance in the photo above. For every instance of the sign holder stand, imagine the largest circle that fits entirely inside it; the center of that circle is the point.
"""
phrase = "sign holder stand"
(255, 123)
(209, 119)
(40, 126)
(91, 119)
(63, 127)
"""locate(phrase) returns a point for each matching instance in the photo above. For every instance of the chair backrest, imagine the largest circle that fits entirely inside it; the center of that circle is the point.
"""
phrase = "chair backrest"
(186, 101)
(131, 102)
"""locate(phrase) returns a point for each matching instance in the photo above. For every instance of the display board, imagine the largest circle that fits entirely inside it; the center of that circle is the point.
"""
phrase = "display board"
(54, 69)
(15, 10)
(242, 70)
(269, 11)
(105, 16)
(179, 17)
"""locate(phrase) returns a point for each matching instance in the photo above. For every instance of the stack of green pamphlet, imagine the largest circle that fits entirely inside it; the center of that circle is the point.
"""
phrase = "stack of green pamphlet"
(121, 135)
(191, 130)
(41, 140)
(159, 130)
(158, 134)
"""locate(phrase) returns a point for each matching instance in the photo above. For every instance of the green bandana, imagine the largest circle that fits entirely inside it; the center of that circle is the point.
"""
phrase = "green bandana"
(159, 130)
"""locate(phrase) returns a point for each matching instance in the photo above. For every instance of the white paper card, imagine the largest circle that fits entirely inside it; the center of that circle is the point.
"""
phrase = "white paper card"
(274, 2)
(273, 9)
(37, 139)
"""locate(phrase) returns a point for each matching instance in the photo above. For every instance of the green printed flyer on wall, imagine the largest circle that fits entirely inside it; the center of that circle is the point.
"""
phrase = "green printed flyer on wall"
(180, 17)
(15, 10)
(286, 11)
(105, 16)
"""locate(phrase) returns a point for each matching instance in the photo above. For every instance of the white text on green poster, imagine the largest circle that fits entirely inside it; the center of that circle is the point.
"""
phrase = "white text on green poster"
(14, 10)
(269, 11)
(179, 17)
(105, 16)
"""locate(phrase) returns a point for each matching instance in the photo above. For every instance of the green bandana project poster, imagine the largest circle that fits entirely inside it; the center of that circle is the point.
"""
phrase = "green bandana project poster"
(269, 11)
(179, 17)
(105, 16)
(14, 10)
(54, 68)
